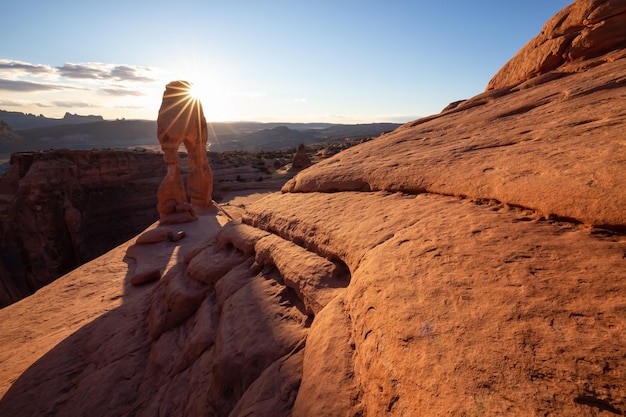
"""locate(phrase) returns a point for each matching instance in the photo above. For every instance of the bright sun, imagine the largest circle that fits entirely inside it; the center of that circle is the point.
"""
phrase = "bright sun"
(208, 84)
(195, 92)
(217, 103)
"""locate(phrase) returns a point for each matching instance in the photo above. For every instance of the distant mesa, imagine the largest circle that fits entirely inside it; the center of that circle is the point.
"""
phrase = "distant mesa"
(32, 132)
(75, 118)
(18, 120)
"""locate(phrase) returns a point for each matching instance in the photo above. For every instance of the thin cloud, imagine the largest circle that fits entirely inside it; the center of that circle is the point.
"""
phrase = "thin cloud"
(74, 86)
(131, 107)
(392, 118)
(82, 71)
(71, 104)
(26, 86)
(9, 103)
(8, 65)
(100, 71)
(128, 73)
(122, 92)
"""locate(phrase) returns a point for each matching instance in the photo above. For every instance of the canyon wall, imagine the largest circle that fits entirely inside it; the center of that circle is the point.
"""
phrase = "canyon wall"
(61, 208)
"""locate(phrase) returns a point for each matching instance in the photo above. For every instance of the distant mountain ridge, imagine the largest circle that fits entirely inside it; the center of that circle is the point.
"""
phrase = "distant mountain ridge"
(77, 132)
(19, 120)
(289, 135)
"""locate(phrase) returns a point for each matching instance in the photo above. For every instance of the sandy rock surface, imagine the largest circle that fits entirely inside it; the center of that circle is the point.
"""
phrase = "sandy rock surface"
(469, 308)
(469, 263)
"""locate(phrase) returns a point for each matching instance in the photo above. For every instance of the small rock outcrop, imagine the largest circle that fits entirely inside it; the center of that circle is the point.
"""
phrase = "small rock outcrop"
(181, 120)
(8, 138)
(300, 159)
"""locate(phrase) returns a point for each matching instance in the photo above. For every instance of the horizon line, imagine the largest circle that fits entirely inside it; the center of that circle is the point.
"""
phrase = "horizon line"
(405, 119)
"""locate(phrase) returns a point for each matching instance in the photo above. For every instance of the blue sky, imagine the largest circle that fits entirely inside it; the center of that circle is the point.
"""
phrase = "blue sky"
(335, 61)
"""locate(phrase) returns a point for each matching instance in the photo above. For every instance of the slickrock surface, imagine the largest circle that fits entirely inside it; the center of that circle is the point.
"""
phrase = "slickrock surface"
(469, 263)
(456, 307)
(573, 40)
(558, 148)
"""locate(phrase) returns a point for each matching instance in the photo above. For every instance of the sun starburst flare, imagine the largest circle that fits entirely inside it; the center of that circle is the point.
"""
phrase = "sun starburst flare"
(185, 100)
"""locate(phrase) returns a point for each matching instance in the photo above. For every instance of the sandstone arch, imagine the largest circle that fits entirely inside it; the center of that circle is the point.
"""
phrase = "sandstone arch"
(181, 120)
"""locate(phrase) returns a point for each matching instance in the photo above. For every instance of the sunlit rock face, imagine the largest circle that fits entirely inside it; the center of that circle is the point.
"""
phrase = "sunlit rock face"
(181, 120)
(569, 42)
(468, 263)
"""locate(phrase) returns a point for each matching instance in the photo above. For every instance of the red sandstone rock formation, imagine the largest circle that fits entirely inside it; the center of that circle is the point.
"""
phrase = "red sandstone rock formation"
(61, 208)
(584, 34)
(181, 120)
(82, 203)
(300, 158)
(469, 263)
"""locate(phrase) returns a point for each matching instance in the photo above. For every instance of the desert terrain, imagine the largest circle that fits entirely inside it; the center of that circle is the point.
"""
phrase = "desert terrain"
(61, 208)
(469, 263)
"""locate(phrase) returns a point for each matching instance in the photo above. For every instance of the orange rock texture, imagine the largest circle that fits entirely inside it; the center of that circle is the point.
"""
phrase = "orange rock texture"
(570, 42)
(468, 263)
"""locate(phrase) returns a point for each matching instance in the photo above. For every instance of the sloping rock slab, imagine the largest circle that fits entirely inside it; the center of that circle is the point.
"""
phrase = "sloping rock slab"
(468, 308)
(557, 148)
